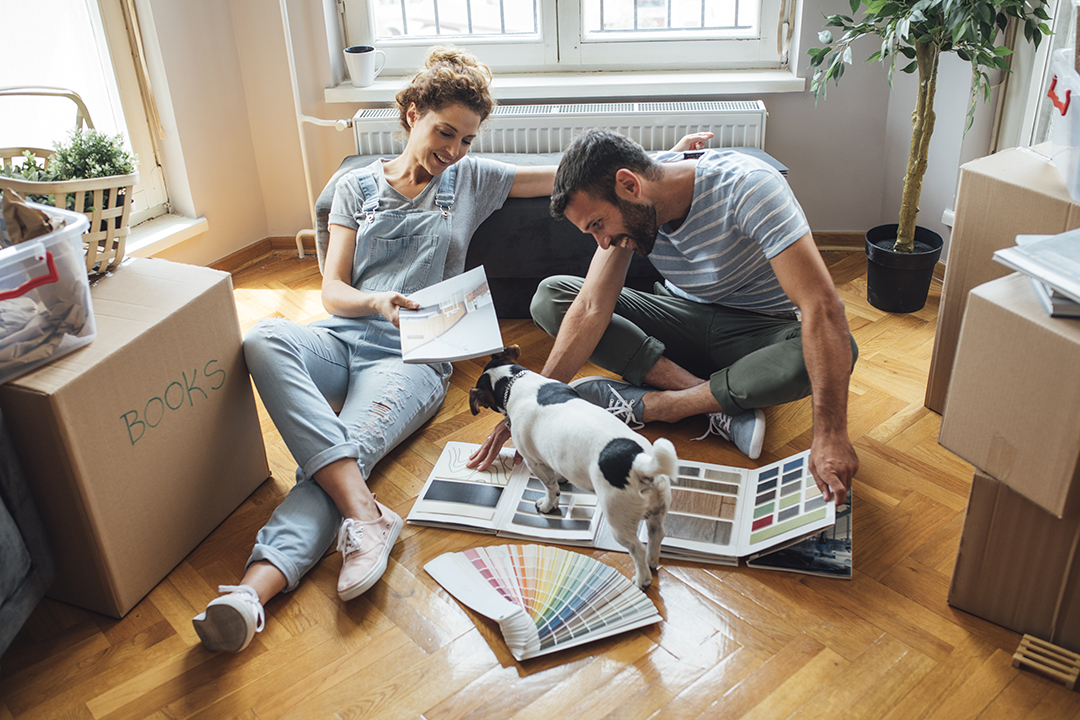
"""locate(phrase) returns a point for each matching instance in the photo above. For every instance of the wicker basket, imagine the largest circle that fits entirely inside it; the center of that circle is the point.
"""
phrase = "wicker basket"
(109, 226)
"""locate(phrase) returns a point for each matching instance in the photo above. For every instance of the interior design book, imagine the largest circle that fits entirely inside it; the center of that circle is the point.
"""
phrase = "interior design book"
(544, 598)
(456, 320)
(718, 514)
(1053, 260)
(827, 553)
(1055, 303)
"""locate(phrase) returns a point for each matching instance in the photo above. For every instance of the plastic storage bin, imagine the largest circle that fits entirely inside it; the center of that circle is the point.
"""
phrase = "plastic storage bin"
(1064, 93)
(45, 306)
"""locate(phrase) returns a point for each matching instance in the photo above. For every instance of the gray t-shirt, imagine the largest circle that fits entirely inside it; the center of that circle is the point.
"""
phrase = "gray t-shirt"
(482, 187)
(743, 214)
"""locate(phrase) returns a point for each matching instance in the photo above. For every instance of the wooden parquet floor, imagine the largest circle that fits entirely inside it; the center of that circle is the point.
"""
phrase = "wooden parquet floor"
(734, 643)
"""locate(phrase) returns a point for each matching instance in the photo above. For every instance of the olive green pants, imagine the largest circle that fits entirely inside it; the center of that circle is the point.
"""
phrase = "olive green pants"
(752, 360)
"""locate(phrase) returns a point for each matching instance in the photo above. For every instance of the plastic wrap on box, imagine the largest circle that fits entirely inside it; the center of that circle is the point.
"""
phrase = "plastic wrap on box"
(45, 306)
(1064, 93)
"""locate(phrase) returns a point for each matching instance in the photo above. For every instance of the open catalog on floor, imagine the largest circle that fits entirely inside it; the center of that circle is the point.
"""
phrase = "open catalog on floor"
(718, 514)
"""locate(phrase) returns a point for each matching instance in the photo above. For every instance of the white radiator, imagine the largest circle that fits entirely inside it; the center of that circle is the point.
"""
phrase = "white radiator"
(550, 128)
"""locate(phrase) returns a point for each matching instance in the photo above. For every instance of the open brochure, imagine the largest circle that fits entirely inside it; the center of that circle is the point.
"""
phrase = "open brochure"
(455, 321)
(1053, 260)
(718, 514)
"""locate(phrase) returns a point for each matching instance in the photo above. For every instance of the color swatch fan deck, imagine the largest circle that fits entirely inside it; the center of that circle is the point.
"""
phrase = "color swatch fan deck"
(544, 598)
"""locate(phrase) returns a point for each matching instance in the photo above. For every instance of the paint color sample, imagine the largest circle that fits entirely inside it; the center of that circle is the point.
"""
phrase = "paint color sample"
(564, 597)
(781, 505)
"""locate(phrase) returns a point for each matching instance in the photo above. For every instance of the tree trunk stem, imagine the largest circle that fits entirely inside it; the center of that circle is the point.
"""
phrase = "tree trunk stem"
(922, 127)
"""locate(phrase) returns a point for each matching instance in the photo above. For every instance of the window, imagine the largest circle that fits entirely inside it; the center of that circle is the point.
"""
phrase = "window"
(567, 35)
(66, 44)
(1027, 114)
(1064, 23)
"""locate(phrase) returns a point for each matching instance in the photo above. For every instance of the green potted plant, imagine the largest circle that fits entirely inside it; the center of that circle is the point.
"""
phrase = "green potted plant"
(91, 173)
(901, 257)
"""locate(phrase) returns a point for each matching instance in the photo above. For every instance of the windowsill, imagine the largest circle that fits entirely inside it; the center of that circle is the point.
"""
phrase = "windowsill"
(153, 236)
(587, 85)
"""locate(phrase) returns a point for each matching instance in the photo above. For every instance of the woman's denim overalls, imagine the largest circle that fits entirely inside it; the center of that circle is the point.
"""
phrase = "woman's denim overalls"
(304, 372)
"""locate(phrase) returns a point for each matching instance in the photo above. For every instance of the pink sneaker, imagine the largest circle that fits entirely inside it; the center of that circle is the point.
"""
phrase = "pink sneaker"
(365, 548)
(231, 620)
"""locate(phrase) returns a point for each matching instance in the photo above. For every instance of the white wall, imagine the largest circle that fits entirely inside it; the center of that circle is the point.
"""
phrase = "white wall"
(230, 90)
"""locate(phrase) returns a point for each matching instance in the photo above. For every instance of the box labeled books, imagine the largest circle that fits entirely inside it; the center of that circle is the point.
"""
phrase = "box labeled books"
(718, 514)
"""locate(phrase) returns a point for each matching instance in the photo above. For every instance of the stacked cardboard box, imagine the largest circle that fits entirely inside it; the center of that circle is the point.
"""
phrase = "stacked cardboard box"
(1014, 192)
(138, 445)
(1013, 411)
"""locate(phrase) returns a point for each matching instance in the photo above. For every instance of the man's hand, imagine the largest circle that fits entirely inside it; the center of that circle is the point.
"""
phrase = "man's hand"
(486, 454)
(833, 463)
(388, 304)
(692, 142)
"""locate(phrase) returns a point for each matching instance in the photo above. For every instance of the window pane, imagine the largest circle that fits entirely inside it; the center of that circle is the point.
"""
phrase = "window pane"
(723, 18)
(72, 54)
(65, 56)
(454, 18)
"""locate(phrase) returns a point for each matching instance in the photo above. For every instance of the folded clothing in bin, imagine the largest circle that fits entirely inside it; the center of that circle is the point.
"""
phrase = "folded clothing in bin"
(45, 307)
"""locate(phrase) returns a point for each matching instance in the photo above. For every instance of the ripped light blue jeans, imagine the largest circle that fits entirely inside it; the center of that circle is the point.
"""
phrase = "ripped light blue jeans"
(303, 373)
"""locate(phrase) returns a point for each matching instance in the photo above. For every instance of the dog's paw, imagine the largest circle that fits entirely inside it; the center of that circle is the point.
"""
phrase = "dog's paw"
(545, 506)
(643, 584)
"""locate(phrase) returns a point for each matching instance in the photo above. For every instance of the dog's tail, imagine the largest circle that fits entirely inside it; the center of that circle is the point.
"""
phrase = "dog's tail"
(663, 461)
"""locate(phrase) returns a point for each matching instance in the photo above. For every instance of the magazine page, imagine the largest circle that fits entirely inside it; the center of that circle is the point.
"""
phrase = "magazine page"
(786, 505)
(458, 497)
(706, 503)
(456, 321)
(573, 522)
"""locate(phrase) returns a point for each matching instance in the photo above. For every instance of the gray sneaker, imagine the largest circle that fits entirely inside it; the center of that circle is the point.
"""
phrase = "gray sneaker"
(746, 430)
(619, 398)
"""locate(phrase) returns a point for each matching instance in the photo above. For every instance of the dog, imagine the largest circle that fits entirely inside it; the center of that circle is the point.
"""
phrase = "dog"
(565, 437)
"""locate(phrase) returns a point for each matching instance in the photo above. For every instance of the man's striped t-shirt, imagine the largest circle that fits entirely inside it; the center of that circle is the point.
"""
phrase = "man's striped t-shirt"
(743, 214)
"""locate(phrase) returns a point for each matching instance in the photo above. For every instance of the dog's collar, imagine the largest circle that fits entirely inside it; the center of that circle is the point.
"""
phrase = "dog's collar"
(506, 393)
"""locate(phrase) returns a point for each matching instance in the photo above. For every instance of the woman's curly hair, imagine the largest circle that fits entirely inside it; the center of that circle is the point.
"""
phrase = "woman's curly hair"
(450, 76)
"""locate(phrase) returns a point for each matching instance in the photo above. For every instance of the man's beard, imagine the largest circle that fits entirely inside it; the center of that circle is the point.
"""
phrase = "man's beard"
(640, 223)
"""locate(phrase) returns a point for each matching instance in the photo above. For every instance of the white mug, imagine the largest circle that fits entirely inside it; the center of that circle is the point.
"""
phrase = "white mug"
(361, 62)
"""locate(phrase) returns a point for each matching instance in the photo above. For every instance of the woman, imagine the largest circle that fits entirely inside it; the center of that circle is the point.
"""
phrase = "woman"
(396, 226)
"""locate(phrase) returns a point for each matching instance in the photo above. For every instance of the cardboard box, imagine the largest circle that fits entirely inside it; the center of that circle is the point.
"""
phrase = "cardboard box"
(1014, 192)
(1014, 403)
(1018, 566)
(138, 445)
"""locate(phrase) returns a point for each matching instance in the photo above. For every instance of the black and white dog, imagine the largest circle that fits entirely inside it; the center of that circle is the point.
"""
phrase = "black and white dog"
(562, 436)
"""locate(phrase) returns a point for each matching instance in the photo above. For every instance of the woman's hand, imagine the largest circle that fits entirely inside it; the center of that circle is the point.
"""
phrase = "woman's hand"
(389, 303)
(692, 142)
(486, 453)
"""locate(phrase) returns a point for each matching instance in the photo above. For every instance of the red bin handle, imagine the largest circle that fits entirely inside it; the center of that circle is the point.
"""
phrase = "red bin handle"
(1063, 107)
(50, 277)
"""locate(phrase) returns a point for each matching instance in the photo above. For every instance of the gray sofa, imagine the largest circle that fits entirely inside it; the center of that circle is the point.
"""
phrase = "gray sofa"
(519, 245)
(26, 563)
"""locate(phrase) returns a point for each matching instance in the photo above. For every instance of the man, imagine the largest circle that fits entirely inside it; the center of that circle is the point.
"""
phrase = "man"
(722, 336)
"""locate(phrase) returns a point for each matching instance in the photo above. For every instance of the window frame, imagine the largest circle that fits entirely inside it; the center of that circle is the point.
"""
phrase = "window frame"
(112, 28)
(565, 50)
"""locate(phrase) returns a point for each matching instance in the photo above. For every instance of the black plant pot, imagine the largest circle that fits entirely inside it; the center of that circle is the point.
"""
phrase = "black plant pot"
(899, 282)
